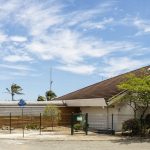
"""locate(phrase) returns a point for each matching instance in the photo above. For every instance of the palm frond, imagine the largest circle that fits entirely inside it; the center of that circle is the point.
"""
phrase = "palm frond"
(8, 90)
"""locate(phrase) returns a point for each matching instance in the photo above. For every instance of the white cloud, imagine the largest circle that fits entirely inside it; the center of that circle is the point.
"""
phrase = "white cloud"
(18, 38)
(50, 34)
(80, 16)
(97, 25)
(4, 77)
(37, 17)
(62, 44)
(3, 37)
(118, 65)
(40, 17)
(71, 47)
(7, 8)
(17, 58)
(17, 72)
(16, 67)
(142, 25)
(78, 69)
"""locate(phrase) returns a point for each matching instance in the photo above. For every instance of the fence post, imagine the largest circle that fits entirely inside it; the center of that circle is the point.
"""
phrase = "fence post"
(112, 125)
(72, 123)
(107, 118)
(10, 122)
(40, 122)
(22, 124)
(86, 127)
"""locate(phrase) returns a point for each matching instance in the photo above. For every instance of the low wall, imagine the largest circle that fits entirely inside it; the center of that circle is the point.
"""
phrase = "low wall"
(18, 121)
(32, 115)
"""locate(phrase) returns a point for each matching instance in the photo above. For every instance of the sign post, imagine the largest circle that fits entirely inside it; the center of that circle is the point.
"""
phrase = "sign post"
(22, 103)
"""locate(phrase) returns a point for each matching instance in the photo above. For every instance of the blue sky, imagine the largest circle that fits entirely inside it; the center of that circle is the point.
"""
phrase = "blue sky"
(83, 41)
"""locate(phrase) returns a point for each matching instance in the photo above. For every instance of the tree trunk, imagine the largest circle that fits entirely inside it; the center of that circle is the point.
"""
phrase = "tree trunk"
(144, 111)
(134, 113)
(135, 110)
(141, 119)
(12, 96)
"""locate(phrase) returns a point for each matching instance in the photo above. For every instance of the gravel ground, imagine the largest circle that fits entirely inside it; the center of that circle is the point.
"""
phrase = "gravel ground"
(73, 145)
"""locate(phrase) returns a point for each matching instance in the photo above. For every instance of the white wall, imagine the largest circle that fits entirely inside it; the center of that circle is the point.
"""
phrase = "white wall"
(98, 117)
(32, 108)
(86, 102)
(16, 111)
(121, 113)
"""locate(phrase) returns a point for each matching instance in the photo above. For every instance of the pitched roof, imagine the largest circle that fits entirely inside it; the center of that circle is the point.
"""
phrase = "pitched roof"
(104, 89)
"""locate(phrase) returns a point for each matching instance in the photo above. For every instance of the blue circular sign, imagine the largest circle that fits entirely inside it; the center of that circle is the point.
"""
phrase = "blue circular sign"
(22, 103)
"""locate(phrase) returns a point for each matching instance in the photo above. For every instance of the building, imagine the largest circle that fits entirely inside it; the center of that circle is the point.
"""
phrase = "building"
(96, 101)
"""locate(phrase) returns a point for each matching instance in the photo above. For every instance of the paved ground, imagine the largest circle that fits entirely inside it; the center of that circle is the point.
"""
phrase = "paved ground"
(53, 141)
(33, 134)
(73, 145)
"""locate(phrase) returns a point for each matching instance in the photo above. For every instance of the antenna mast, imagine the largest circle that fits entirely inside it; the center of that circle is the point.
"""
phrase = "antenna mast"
(51, 82)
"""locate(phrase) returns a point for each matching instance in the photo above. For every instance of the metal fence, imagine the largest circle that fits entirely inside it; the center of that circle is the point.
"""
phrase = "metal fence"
(40, 124)
(43, 124)
(107, 123)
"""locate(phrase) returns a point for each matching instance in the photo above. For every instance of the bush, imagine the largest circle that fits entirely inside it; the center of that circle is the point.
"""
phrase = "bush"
(77, 126)
(32, 126)
(131, 125)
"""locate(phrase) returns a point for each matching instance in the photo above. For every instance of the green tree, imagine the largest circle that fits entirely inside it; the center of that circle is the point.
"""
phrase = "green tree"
(50, 95)
(136, 92)
(129, 98)
(14, 89)
(41, 98)
(53, 113)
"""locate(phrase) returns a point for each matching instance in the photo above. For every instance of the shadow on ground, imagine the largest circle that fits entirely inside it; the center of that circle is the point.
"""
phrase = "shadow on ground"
(131, 140)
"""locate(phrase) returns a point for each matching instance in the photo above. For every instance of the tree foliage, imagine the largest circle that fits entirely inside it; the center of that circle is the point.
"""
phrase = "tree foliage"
(50, 95)
(53, 113)
(41, 98)
(129, 98)
(136, 92)
(14, 89)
